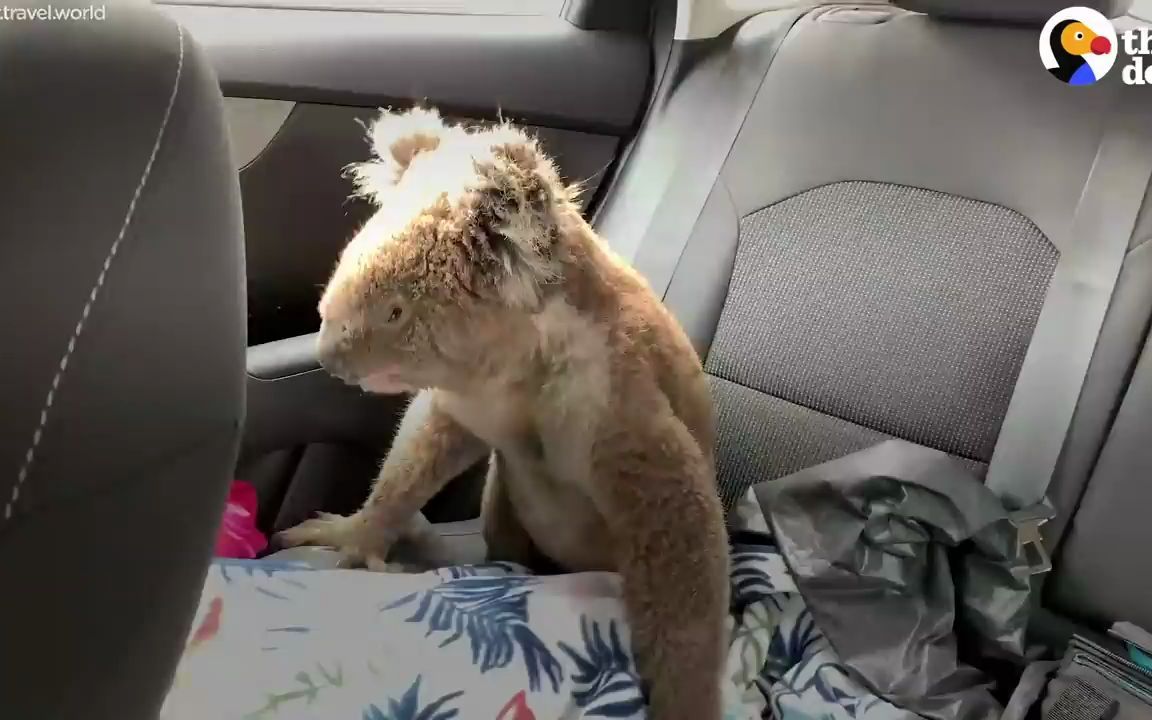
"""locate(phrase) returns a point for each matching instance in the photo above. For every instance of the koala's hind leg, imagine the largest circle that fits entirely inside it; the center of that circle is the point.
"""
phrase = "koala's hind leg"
(656, 490)
(504, 535)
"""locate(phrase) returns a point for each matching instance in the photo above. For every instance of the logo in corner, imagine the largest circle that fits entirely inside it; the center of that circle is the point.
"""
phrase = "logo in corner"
(1078, 45)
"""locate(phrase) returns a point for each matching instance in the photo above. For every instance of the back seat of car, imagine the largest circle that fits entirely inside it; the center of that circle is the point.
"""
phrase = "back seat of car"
(877, 246)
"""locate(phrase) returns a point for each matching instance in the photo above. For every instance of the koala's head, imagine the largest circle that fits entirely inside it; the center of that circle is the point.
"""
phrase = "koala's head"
(464, 240)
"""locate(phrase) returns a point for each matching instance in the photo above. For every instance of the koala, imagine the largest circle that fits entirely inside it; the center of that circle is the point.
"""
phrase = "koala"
(478, 284)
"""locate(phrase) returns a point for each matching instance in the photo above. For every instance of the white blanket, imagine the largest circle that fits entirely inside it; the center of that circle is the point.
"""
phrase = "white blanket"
(490, 642)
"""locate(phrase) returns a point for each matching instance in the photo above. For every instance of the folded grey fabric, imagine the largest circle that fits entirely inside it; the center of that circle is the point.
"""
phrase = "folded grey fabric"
(899, 551)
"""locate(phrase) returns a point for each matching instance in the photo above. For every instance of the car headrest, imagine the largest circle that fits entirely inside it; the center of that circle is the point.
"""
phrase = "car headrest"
(1031, 12)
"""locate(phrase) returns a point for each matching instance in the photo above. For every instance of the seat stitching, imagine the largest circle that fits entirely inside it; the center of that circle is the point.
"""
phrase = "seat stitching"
(136, 473)
(30, 454)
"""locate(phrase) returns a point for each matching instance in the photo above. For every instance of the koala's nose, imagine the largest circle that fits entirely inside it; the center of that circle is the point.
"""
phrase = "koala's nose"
(332, 351)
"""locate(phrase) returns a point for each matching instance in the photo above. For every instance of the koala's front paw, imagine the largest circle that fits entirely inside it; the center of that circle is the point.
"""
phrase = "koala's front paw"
(359, 542)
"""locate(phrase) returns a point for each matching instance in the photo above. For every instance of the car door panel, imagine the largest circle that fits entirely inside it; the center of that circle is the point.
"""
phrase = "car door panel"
(252, 124)
(538, 69)
(580, 91)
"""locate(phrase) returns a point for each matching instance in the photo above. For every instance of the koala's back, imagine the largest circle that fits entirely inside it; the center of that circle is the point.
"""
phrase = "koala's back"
(680, 375)
(653, 353)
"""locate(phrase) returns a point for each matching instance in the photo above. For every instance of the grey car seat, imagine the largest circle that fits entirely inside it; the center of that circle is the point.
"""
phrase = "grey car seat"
(899, 215)
(123, 326)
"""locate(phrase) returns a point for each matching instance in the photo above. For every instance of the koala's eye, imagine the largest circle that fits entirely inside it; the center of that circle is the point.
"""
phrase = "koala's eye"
(395, 314)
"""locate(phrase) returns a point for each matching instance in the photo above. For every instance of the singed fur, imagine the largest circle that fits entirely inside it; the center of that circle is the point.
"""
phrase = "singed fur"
(479, 283)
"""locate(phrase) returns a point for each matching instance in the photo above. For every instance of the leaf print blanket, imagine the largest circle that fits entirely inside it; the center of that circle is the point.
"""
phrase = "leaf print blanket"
(489, 642)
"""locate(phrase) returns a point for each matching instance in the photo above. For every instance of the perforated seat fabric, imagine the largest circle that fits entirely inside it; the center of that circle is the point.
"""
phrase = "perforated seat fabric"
(873, 258)
(867, 272)
(123, 323)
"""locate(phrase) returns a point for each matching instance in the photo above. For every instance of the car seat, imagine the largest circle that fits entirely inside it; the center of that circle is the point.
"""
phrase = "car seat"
(889, 224)
(122, 270)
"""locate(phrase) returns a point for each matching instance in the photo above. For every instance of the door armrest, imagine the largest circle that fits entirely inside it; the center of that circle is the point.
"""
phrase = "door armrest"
(283, 358)
(292, 401)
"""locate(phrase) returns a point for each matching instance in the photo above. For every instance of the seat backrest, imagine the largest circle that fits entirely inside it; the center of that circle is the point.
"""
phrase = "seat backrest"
(875, 253)
(890, 218)
(121, 275)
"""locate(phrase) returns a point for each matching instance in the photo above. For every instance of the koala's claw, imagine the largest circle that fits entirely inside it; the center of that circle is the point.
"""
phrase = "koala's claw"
(324, 529)
(347, 534)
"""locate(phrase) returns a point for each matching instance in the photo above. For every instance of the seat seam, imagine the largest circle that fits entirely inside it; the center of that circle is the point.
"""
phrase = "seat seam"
(834, 416)
(45, 410)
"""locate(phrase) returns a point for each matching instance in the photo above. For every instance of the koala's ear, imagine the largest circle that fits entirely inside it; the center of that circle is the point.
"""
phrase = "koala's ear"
(396, 139)
(518, 211)
(400, 136)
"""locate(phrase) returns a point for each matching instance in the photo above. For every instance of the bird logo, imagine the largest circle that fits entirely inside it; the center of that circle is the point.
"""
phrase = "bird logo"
(1078, 45)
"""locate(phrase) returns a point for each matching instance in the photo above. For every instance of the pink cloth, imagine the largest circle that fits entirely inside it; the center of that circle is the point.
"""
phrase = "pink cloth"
(239, 537)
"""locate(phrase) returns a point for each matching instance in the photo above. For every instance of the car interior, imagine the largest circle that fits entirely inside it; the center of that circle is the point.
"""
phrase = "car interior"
(874, 220)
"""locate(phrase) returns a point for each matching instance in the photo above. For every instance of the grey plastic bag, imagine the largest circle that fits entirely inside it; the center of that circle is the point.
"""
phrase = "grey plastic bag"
(898, 550)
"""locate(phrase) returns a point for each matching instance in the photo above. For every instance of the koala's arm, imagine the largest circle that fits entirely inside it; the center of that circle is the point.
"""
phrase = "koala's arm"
(655, 489)
(430, 448)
